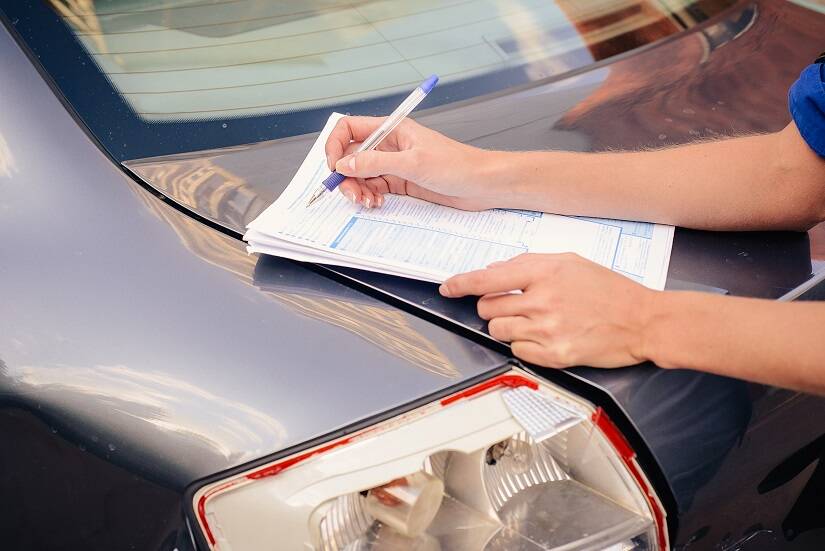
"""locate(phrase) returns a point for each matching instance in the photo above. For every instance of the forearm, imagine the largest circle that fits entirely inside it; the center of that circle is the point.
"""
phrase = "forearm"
(777, 343)
(770, 181)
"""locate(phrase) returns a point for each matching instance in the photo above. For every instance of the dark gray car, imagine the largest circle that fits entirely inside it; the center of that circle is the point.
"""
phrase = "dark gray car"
(162, 389)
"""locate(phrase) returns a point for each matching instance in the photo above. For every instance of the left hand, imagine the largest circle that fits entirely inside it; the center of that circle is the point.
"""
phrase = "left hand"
(571, 311)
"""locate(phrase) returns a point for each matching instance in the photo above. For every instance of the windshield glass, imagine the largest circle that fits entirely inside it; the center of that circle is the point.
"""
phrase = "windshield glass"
(279, 68)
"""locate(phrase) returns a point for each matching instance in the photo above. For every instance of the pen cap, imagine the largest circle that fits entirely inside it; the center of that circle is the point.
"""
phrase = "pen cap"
(333, 181)
(429, 84)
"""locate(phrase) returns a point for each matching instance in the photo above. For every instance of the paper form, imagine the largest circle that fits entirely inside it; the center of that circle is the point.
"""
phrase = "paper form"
(413, 238)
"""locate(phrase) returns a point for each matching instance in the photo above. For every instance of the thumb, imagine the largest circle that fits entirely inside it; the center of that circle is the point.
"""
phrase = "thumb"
(369, 164)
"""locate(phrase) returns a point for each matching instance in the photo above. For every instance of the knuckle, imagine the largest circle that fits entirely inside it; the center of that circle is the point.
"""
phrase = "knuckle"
(536, 270)
(497, 329)
(360, 162)
(546, 329)
(527, 352)
(549, 322)
(484, 309)
(530, 309)
(563, 354)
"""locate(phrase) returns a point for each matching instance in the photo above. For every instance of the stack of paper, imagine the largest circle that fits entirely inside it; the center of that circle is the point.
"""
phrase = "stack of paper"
(412, 238)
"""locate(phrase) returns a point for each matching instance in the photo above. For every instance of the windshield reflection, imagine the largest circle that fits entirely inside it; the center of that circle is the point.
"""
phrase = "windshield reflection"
(250, 57)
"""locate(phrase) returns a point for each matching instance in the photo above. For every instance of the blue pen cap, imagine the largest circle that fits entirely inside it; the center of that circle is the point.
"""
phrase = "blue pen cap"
(429, 84)
(333, 181)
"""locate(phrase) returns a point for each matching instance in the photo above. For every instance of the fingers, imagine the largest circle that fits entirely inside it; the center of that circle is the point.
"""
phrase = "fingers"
(529, 351)
(348, 129)
(500, 279)
(509, 328)
(368, 193)
(493, 306)
(369, 164)
(378, 187)
(351, 190)
(368, 197)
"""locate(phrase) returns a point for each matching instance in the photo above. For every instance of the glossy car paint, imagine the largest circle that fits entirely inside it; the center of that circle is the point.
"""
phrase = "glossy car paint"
(155, 343)
(149, 342)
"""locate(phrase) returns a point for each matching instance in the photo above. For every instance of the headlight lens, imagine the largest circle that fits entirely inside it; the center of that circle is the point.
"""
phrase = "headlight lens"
(512, 463)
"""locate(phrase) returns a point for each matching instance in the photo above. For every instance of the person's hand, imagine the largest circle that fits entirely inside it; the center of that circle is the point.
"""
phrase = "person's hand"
(412, 160)
(570, 311)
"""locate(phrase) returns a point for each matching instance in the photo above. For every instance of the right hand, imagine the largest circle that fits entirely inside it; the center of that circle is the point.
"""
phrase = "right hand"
(412, 160)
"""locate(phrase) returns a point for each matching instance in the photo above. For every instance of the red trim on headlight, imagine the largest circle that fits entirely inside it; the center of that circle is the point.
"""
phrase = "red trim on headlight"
(272, 470)
(502, 380)
(620, 444)
(202, 507)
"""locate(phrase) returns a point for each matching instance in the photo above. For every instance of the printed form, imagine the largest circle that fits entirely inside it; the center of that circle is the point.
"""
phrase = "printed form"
(413, 238)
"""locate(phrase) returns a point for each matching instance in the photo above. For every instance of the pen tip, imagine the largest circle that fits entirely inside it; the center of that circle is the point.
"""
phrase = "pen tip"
(315, 196)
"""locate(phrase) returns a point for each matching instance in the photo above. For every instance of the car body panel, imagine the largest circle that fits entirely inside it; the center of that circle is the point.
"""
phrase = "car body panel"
(126, 317)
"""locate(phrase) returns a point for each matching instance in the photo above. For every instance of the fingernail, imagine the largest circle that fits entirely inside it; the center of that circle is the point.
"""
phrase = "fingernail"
(379, 201)
(351, 196)
(444, 290)
(351, 162)
(367, 202)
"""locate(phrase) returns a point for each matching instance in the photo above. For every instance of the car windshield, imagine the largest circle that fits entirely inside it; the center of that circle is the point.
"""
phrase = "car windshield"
(277, 69)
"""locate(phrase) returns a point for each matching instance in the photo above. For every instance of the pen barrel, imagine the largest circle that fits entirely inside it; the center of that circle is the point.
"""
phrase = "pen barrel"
(394, 119)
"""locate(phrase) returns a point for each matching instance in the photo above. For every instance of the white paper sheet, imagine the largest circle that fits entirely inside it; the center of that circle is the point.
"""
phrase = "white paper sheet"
(412, 238)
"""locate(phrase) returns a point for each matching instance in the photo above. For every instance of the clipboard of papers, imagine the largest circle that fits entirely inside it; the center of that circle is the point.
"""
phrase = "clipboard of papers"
(412, 238)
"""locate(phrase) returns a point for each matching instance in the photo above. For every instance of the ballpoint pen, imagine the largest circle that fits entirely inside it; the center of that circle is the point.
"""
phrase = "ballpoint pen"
(394, 119)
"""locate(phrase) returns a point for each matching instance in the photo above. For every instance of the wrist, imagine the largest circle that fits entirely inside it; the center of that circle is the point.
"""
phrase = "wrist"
(522, 179)
(653, 328)
(674, 323)
(498, 178)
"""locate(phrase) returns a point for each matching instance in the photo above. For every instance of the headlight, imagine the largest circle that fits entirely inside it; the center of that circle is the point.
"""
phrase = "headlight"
(511, 463)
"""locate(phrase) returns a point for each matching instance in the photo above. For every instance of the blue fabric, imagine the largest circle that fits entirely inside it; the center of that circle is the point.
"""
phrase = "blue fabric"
(807, 102)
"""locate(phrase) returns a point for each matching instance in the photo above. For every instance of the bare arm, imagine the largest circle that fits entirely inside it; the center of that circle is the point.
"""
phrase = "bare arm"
(771, 181)
(778, 343)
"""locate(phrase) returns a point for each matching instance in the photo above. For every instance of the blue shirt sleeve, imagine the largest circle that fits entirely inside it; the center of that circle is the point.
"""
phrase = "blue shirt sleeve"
(807, 103)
